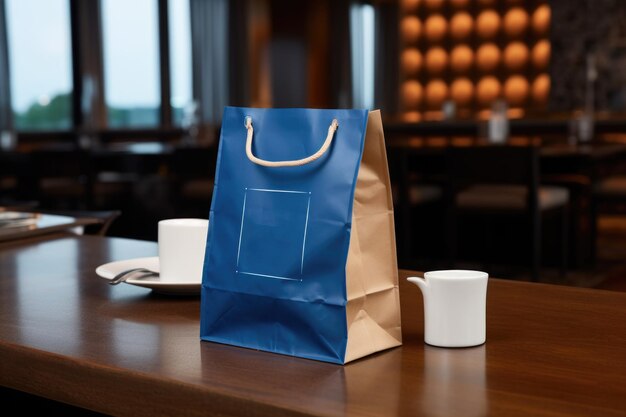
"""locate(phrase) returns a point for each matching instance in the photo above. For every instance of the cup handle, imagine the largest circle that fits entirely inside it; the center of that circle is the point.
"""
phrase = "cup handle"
(420, 282)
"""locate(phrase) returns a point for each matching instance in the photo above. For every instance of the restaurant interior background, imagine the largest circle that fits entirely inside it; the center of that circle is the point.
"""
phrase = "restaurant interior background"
(113, 107)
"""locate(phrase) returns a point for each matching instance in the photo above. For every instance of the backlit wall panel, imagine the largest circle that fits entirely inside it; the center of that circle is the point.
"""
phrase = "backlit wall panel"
(472, 52)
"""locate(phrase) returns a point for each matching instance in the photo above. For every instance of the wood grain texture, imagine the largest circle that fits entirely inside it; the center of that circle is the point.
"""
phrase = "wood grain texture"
(65, 334)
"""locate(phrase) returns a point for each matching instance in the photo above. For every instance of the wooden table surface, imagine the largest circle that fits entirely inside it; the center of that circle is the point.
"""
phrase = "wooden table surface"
(65, 334)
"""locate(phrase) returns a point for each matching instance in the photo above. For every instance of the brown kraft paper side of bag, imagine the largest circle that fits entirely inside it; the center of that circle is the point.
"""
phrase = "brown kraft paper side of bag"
(373, 310)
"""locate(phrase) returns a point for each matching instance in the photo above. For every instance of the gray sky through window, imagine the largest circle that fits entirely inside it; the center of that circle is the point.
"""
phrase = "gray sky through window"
(39, 50)
(131, 56)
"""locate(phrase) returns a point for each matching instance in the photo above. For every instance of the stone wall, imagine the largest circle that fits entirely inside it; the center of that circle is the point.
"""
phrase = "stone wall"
(588, 26)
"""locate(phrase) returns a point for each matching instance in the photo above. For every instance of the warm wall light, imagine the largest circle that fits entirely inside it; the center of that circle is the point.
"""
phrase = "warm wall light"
(515, 22)
(515, 113)
(515, 56)
(488, 57)
(487, 90)
(516, 90)
(541, 54)
(461, 26)
(459, 4)
(462, 91)
(433, 4)
(484, 114)
(411, 61)
(435, 28)
(410, 29)
(433, 115)
(488, 24)
(509, 47)
(412, 94)
(461, 58)
(541, 19)
(436, 60)
(436, 93)
(410, 6)
(412, 116)
(541, 89)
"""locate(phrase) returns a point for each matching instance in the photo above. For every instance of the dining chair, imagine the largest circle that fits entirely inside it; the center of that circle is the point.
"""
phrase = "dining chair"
(192, 172)
(612, 189)
(608, 197)
(489, 182)
(417, 197)
(105, 218)
(62, 178)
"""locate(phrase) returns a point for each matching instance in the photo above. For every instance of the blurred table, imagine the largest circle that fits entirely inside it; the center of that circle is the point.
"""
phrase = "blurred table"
(553, 149)
(144, 180)
(45, 224)
(66, 335)
(576, 166)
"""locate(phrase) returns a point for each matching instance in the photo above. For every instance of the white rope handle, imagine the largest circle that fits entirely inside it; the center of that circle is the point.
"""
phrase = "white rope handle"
(294, 163)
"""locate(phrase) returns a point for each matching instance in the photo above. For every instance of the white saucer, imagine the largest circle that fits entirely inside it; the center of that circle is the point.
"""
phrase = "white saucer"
(109, 270)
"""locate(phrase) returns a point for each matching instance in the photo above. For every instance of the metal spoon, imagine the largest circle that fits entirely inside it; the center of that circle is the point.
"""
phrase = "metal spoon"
(124, 275)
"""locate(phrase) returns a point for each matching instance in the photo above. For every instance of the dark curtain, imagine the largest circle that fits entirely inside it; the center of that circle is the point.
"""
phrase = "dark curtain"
(239, 77)
(89, 104)
(386, 73)
(209, 48)
(340, 55)
(6, 120)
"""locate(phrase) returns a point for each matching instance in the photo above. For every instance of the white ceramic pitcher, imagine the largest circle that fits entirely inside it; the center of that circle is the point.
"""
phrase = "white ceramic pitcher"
(454, 307)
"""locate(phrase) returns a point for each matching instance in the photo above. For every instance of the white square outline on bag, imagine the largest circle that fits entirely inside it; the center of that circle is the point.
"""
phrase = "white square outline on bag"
(306, 224)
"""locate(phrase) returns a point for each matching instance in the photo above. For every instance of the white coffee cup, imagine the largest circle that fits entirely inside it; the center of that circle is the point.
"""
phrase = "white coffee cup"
(455, 307)
(182, 244)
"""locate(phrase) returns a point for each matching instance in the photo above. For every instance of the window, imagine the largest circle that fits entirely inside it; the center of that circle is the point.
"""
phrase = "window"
(131, 62)
(362, 26)
(180, 60)
(40, 63)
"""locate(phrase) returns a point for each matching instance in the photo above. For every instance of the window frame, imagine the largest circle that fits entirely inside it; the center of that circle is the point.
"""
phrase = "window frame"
(86, 33)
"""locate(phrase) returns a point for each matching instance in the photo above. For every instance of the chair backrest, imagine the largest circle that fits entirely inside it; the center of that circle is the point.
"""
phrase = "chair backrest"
(62, 168)
(107, 218)
(494, 165)
(63, 162)
(194, 162)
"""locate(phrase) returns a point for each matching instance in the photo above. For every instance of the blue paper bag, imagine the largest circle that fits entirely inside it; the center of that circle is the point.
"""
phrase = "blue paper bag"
(300, 255)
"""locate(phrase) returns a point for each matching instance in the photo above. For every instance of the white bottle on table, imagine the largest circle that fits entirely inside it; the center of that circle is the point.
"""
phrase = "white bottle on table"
(498, 124)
